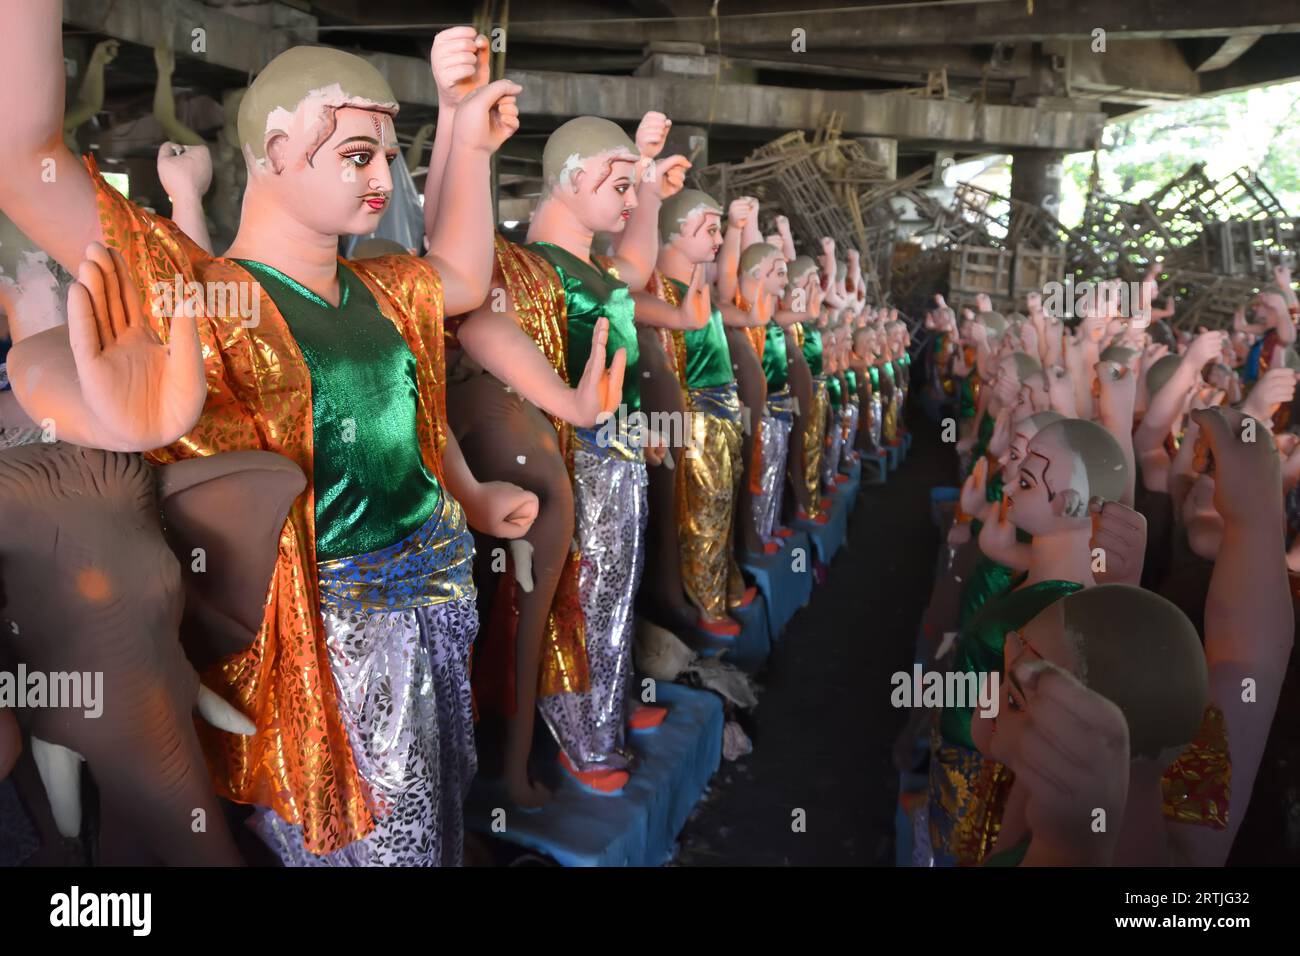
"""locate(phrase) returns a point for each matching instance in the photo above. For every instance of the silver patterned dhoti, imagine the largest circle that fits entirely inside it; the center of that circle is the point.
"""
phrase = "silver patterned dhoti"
(851, 432)
(402, 679)
(777, 425)
(609, 498)
(877, 422)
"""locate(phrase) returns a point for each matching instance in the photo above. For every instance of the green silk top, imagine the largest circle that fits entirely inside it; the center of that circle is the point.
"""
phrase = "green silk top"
(887, 370)
(980, 643)
(369, 481)
(993, 489)
(834, 390)
(812, 349)
(982, 439)
(851, 377)
(1012, 856)
(875, 378)
(589, 293)
(708, 359)
(776, 364)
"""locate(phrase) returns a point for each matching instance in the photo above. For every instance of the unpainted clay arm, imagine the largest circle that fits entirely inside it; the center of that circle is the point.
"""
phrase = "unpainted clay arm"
(1182, 470)
(1249, 622)
(164, 102)
(437, 167)
(729, 263)
(787, 318)
(90, 97)
(460, 242)
(43, 375)
(58, 213)
(187, 213)
(1163, 411)
(496, 342)
(186, 176)
(732, 316)
(655, 312)
(787, 240)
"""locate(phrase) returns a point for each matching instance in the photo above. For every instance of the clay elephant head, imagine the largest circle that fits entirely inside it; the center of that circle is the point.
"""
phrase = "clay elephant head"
(93, 589)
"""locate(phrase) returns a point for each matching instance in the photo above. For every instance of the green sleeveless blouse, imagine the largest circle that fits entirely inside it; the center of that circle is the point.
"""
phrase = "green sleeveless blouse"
(708, 359)
(834, 390)
(775, 361)
(589, 293)
(812, 349)
(369, 480)
(980, 643)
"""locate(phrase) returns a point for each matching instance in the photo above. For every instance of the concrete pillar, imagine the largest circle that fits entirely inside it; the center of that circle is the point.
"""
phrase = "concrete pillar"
(689, 141)
(882, 149)
(1036, 178)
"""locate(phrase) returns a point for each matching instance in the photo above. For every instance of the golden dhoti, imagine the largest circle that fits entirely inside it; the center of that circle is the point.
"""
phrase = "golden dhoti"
(814, 436)
(712, 470)
(889, 427)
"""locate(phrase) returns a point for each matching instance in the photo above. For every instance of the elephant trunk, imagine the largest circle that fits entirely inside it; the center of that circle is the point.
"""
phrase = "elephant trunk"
(159, 784)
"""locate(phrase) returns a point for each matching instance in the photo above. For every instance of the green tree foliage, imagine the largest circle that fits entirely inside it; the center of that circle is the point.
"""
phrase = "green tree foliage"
(1256, 128)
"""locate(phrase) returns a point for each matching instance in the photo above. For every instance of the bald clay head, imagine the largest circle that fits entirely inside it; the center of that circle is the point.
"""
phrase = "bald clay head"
(1067, 464)
(1161, 371)
(316, 130)
(1025, 375)
(691, 222)
(994, 322)
(801, 267)
(1119, 354)
(1024, 431)
(299, 90)
(589, 165)
(766, 264)
(1137, 650)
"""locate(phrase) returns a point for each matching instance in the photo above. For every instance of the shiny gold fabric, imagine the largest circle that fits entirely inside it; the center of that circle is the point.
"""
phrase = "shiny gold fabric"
(889, 427)
(539, 304)
(673, 340)
(973, 793)
(1196, 786)
(758, 339)
(299, 763)
(814, 436)
(713, 473)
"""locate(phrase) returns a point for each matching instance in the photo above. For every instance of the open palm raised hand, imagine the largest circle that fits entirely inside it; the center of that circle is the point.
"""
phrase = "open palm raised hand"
(146, 394)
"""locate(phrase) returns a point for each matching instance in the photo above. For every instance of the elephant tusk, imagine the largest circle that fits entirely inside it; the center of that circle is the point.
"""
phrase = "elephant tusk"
(220, 714)
(60, 770)
(522, 552)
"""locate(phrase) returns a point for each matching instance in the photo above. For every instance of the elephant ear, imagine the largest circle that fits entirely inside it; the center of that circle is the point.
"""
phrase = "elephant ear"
(223, 516)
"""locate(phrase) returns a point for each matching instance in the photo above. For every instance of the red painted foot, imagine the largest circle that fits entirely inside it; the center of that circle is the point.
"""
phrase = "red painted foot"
(723, 628)
(601, 781)
(646, 717)
(782, 533)
(747, 598)
(771, 547)
(842, 479)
